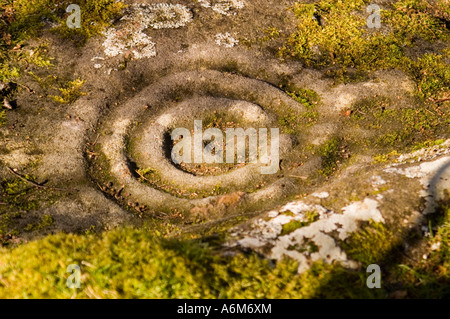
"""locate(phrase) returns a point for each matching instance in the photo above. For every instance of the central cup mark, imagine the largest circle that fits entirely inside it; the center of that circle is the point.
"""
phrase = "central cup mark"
(192, 150)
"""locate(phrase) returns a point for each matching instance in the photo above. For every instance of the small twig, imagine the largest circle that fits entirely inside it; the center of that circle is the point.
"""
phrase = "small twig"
(96, 139)
(36, 184)
(301, 177)
(95, 142)
(92, 153)
(100, 186)
(25, 87)
(441, 100)
(142, 176)
(429, 112)
(3, 203)
(25, 179)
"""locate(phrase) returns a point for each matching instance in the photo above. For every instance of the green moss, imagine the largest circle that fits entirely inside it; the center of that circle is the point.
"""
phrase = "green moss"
(127, 263)
(270, 33)
(18, 194)
(288, 228)
(372, 245)
(432, 73)
(380, 190)
(309, 99)
(45, 221)
(145, 171)
(19, 22)
(427, 144)
(68, 90)
(28, 16)
(96, 15)
(70, 93)
(409, 19)
(444, 7)
(333, 40)
(2, 117)
(91, 230)
(288, 213)
(18, 198)
(383, 158)
(8, 71)
(424, 121)
(345, 40)
(22, 19)
(396, 129)
(389, 139)
(292, 121)
(15, 186)
(333, 34)
(430, 277)
(291, 226)
(288, 121)
(7, 223)
(330, 152)
(374, 110)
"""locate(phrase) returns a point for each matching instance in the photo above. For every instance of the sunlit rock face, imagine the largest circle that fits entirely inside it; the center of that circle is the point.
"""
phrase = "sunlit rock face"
(346, 141)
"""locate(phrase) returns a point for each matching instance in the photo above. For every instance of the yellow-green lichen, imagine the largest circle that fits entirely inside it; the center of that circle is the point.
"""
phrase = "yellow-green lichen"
(70, 93)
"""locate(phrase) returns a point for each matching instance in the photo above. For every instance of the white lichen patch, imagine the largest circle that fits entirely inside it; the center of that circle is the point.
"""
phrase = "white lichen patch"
(422, 171)
(225, 7)
(295, 211)
(314, 242)
(159, 16)
(226, 40)
(321, 195)
(128, 39)
(204, 3)
(299, 208)
(377, 181)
